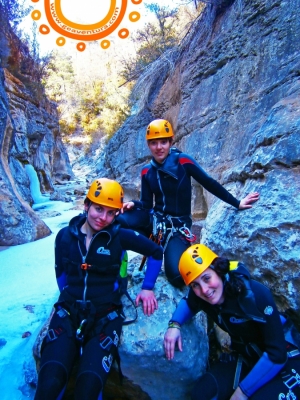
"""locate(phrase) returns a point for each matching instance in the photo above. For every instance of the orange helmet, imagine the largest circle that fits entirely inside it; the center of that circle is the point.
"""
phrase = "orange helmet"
(195, 260)
(106, 192)
(159, 129)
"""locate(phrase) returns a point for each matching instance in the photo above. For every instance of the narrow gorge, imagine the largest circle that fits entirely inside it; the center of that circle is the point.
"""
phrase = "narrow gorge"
(232, 93)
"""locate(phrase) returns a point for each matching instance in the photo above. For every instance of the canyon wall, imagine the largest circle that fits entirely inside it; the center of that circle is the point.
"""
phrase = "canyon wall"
(29, 134)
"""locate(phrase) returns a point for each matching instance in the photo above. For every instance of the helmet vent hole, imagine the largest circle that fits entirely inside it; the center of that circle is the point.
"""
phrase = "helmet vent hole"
(199, 260)
(97, 193)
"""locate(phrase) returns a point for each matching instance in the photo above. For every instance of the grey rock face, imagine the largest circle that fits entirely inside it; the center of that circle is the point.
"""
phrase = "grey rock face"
(142, 353)
(28, 135)
(233, 100)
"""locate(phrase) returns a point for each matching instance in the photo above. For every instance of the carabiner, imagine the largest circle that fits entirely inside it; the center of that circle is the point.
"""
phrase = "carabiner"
(190, 237)
(79, 332)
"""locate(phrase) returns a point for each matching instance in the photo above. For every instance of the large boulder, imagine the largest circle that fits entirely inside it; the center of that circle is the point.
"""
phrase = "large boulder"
(142, 353)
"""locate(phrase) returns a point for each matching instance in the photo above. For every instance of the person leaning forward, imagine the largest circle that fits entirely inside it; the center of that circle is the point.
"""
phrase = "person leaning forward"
(167, 179)
(245, 309)
(88, 316)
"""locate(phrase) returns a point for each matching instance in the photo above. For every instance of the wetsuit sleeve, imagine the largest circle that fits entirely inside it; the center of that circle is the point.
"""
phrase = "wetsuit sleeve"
(61, 277)
(152, 271)
(274, 356)
(193, 169)
(261, 373)
(131, 240)
(146, 199)
(183, 312)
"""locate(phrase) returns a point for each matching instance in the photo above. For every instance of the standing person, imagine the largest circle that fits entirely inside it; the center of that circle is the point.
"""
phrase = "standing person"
(245, 309)
(167, 179)
(88, 316)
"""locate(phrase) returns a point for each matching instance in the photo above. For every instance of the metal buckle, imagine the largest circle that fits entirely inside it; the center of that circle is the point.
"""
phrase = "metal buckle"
(83, 305)
(85, 266)
(51, 335)
(113, 315)
(293, 353)
(106, 342)
(62, 313)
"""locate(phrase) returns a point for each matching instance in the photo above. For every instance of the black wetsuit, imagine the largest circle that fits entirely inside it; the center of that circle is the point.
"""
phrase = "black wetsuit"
(170, 185)
(261, 344)
(88, 314)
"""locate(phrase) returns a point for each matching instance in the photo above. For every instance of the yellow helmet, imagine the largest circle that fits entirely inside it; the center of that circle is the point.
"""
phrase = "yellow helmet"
(194, 261)
(106, 192)
(159, 129)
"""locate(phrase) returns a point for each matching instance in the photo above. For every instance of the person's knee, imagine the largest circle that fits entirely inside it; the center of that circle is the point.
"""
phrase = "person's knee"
(172, 272)
(88, 386)
(52, 380)
(206, 388)
(123, 220)
(176, 281)
(138, 220)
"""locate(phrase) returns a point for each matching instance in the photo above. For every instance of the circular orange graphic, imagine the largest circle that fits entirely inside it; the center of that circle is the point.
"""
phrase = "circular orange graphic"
(105, 44)
(44, 29)
(36, 15)
(60, 41)
(80, 46)
(134, 16)
(106, 25)
(123, 33)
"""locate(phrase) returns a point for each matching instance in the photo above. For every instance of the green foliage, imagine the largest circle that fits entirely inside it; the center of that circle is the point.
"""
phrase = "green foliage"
(59, 77)
(90, 107)
(152, 41)
(88, 98)
(68, 127)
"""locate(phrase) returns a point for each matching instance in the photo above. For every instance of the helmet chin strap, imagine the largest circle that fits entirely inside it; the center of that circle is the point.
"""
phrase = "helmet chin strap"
(87, 221)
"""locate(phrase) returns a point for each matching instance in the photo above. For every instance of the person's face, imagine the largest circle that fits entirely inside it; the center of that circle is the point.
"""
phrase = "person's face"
(209, 287)
(159, 148)
(99, 216)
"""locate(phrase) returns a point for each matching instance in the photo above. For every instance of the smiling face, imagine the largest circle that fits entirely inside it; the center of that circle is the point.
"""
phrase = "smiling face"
(99, 216)
(209, 287)
(160, 148)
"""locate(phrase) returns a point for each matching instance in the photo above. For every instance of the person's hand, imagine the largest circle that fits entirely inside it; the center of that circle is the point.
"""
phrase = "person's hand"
(127, 206)
(149, 301)
(172, 336)
(248, 200)
(238, 395)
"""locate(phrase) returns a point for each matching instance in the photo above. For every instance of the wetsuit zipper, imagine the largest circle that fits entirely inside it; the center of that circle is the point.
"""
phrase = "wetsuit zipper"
(159, 183)
(222, 322)
(84, 258)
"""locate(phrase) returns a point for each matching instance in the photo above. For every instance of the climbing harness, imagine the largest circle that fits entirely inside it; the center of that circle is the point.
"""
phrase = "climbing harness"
(164, 227)
(238, 370)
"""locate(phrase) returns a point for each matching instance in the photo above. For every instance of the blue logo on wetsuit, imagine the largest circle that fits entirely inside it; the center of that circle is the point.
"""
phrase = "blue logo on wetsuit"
(234, 320)
(102, 250)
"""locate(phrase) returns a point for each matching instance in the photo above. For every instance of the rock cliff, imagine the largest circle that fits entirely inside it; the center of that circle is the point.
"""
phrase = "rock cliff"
(29, 134)
(232, 95)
